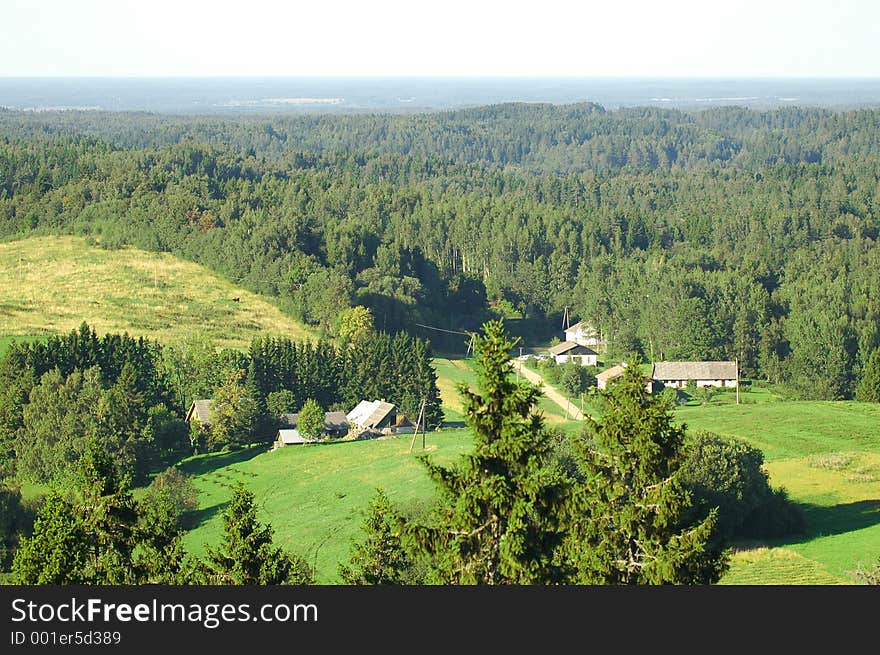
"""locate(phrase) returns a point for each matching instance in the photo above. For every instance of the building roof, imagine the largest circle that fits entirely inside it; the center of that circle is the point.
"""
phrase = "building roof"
(611, 373)
(571, 348)
(333, 421)
(201, 409)
(369, 414)
(695, 371)
(582, 325)
(288, 437)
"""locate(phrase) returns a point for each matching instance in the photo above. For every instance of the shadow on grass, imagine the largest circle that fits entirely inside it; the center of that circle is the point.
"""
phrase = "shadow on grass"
(822, 521)
(837, 519)
(192, 520)
(201, 464)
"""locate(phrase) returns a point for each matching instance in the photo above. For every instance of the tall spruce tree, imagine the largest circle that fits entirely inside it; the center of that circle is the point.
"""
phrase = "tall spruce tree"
(247, 554)
(381, 559)
(58, 552)
(498, 519)
(868, 390)
(628, 516)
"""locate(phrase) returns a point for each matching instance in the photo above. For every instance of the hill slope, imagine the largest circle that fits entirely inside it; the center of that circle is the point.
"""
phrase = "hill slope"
(56, 283)
(315, 496)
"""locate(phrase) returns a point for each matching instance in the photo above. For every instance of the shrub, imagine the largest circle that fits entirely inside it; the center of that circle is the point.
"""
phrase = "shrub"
(727, 473)
(175, 490)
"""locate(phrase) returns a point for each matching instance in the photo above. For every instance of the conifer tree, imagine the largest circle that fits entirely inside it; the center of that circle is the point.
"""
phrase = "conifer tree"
(868, 390)
(381, 558)
(498, 519)
(58, 551)
(247, 554)
(627, 523)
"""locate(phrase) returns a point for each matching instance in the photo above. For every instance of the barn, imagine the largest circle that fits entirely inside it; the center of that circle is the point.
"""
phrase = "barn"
(703, 374)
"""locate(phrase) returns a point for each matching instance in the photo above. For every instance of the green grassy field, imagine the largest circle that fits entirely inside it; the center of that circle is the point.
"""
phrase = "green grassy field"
(826, 455)
(315, 496)
(59, 282)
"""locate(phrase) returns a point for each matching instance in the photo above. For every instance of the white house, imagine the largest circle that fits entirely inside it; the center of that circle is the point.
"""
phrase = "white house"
(583, 334)
(566, 350)
(704, 374)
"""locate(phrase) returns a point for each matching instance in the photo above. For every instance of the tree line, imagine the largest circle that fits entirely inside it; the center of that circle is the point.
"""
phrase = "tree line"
(727, 233)
(130, 395)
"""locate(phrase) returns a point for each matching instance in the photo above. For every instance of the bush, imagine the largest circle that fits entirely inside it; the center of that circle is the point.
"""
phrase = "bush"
(173, 488)
(727, 473)
(670, 396)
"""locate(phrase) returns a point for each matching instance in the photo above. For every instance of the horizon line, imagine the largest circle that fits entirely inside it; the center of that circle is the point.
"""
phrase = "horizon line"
(446, 76)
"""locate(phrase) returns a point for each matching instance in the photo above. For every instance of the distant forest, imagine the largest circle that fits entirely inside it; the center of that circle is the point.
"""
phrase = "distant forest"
(719, 234)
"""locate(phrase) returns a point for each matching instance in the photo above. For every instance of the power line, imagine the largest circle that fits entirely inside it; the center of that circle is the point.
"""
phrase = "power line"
(467, 334)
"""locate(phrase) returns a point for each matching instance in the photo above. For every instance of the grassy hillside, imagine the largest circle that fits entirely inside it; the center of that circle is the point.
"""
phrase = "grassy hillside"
(315, 496)
(56, 283)
(827, 455)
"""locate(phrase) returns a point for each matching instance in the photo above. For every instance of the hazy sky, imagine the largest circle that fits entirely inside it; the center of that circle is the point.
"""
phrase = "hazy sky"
(757, 38)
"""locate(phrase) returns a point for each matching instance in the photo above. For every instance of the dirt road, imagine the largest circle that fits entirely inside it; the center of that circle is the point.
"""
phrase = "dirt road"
(549, 391)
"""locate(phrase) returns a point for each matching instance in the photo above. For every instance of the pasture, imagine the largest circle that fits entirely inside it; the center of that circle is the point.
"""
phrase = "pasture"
(59, 282)
(826, 455)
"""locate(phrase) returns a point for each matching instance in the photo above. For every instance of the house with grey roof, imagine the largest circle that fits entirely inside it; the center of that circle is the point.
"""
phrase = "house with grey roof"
(566, 350)
(704, 374)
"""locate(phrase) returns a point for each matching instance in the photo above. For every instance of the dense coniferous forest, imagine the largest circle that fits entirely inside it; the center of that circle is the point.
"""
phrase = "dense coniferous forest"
(724, 233)
(130, 395)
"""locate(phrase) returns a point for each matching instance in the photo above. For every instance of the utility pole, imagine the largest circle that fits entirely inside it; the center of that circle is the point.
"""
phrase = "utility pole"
(418, 424)
(737, 381)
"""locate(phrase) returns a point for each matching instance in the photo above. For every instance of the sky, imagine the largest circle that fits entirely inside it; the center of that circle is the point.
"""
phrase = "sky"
(553, 38)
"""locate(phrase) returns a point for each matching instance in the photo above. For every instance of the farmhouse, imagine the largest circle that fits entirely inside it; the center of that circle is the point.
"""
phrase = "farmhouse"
(583, 334)
(335, 425)
(704, 374)
(566, 350)
(378, 416)
(200, 411)
(609, 375)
